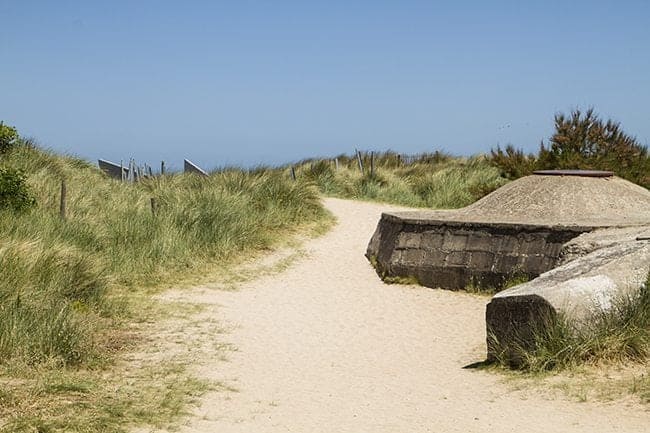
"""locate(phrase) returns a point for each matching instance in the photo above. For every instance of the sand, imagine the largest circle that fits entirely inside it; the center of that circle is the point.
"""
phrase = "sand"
(325, 346)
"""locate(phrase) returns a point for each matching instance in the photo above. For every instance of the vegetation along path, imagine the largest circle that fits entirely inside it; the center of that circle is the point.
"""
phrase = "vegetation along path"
(325, 346)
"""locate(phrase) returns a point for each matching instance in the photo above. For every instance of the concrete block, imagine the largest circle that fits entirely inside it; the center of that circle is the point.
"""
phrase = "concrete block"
(434, 258)
(408, 240)
(431, 240)
(553, 249)
(507, 264)
(440, 252)
(412, 256)
(482, 241)
(533, 244)
(458, 258)
(451, 279)
(508, 243)
(534, 264)
(190, 167)
(482, 260)
(111, 169)
(578, 289)
(454, 242)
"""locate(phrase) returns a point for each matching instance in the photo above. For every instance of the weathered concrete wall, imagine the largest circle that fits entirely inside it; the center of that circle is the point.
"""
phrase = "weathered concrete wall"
(453, 254)
(190, 167)
(599, 269)
(113, 170)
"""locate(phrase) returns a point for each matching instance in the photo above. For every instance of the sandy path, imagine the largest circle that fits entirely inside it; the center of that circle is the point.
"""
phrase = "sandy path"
(325, 346)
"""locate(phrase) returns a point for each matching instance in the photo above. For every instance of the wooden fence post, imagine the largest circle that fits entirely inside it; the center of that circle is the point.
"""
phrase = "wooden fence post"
(153, 206)
(162, 167)
(372, 164)
(359, 160)
(293, 173)
(62, 204)
(336, 163)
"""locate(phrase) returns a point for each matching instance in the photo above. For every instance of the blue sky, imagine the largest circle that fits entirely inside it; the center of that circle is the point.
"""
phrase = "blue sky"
(248, 82)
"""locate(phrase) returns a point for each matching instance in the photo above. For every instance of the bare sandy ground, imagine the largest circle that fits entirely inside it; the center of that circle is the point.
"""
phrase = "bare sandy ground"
(325, 346)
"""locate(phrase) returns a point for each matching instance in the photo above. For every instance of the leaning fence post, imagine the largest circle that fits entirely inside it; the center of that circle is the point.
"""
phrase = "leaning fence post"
(336, 163)
(130, 174)
(62, 204)
(293, 173)
(359, 160)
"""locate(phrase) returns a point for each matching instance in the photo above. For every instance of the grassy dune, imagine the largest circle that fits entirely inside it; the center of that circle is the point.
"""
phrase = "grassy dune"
(434, 180)
(69, 287)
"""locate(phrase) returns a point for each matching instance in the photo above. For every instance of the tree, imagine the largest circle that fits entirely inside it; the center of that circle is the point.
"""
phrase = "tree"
(581, 141)
(584, 141)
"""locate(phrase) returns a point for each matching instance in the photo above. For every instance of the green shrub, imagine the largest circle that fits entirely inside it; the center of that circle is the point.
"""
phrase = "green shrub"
(513, 163)
(581, 141)
(14, 192)
(8, 137)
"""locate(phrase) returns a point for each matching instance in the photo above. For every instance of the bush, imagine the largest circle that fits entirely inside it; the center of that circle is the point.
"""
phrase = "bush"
(14, 192)
(581, 141)
(8, 137)
(513, 163)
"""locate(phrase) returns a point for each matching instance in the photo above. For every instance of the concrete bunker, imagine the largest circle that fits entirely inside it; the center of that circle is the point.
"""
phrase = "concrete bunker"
(572, 234)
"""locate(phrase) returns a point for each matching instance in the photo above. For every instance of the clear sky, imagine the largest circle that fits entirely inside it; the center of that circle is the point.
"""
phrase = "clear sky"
(247, 82)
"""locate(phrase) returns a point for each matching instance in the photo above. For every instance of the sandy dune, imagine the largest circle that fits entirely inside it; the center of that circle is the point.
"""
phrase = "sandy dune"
(325, 346)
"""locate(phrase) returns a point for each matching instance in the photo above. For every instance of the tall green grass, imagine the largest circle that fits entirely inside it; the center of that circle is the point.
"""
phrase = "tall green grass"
(58, 275)
(434, 180)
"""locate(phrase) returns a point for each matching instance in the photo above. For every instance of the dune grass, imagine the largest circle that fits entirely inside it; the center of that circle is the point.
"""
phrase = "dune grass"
(434, 180)
(620, 334)
(69, 287)
(592, 352)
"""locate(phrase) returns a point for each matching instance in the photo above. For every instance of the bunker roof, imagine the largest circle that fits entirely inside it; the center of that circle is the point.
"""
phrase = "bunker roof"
(572, 198)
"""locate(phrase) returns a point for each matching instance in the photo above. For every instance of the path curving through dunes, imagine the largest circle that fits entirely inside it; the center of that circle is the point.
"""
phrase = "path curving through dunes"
(325, 346)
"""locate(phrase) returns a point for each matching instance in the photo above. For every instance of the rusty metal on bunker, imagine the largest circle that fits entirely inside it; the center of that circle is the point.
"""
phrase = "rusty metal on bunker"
(582, 173)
